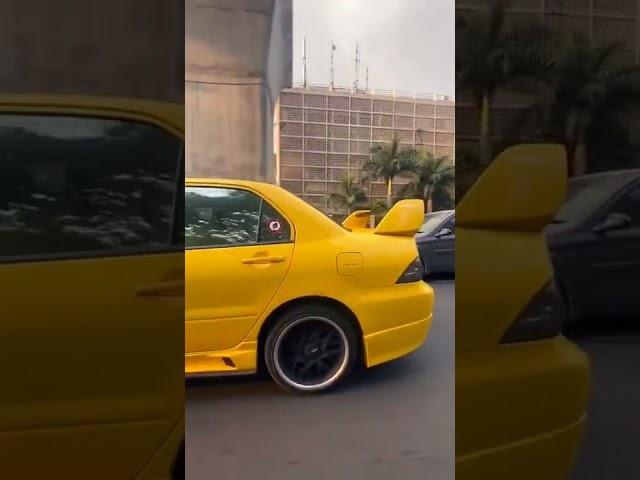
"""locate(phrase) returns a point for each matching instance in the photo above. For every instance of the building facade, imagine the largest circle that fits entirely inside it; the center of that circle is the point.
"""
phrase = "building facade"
(324, 135)
(603, 21)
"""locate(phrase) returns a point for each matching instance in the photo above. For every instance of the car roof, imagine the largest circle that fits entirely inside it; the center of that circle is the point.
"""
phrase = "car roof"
(170, 113)
(226, 182)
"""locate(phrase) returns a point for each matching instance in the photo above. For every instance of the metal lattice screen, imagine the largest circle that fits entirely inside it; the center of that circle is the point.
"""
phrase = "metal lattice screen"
(327, 137)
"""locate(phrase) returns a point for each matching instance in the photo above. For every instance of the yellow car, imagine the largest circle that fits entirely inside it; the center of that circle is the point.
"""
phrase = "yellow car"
(92, 335)
(521, 387)
(274, 283)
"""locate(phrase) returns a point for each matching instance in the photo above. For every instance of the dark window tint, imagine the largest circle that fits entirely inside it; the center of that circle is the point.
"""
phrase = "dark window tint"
(220, 216)
(451, 224)
(629, 204)
(432, 221)
(273, 226)
(72, 184)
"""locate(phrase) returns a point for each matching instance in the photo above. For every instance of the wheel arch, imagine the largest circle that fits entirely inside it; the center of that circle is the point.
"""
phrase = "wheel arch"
(317, 299)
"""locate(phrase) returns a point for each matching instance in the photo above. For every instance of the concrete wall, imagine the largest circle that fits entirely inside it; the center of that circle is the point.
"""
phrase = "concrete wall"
(121, 47)
(237, 58)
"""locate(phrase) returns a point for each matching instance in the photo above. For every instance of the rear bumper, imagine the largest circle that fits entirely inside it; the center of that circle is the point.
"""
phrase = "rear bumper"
(395, 342)
(520, 410)
(394, 320)
(549, 455)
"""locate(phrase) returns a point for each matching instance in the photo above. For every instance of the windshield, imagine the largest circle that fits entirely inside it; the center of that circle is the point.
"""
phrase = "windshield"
(432, 221)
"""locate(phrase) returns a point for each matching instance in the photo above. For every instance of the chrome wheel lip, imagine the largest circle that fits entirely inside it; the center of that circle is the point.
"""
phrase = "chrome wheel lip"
(326, 383)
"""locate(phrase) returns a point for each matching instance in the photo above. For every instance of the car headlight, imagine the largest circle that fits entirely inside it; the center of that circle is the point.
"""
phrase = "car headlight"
(413, 273)
(542, 318)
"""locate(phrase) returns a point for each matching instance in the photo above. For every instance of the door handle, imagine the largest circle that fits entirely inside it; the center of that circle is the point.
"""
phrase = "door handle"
(174, 288)
(263, 260)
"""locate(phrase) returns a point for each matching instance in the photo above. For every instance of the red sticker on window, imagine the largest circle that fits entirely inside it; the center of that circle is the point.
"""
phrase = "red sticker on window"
(275, 226)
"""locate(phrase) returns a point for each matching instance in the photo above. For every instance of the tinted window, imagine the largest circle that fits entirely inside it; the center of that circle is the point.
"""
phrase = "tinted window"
(273, 227)
(220, 216)
(451, 224)
(629, 204)
(84, 184)
(216, 216)
(432, 221)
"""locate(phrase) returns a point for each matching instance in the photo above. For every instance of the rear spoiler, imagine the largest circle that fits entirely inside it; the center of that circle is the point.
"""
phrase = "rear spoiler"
(404, 219)
(358, 220)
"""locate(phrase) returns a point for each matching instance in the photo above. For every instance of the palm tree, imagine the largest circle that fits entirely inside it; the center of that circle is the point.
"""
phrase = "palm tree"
(350, 195)
(434, 176)
(590, 96)
(387, 162)
(490, 57)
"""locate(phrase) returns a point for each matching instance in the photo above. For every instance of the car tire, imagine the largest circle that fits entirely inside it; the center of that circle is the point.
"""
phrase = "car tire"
(311, 349)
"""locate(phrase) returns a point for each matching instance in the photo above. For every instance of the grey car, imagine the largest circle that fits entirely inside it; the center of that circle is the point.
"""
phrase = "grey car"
(436, 241)
(594, 243)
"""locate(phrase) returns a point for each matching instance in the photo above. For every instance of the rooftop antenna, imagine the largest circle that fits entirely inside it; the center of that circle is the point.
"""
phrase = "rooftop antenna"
(355, 82)
(366, 81)
(332, 72)
(304, 62)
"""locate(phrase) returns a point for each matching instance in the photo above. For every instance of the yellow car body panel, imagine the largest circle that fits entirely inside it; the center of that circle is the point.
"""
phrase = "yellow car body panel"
(520, 407)
(228, 302)
(94, 388)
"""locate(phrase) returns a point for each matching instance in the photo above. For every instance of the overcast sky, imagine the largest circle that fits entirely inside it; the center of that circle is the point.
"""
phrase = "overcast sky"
(408, 45)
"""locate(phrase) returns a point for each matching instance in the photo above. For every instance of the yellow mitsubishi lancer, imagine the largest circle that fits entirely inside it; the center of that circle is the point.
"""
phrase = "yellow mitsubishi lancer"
(273, 283)
(91, 274)
(521, 387)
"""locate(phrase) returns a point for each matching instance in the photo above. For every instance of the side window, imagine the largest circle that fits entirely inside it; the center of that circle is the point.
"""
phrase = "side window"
(224, 216)
(220, 216)
(629, 204)
(451, 225)
(73, 185)
(274, 228)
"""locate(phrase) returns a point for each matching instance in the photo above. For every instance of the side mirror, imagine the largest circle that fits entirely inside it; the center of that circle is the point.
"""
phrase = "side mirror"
(443, 233)
(614, 221)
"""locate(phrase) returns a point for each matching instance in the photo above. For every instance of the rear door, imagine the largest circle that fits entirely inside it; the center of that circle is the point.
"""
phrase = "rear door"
(239, 247)
(92, 294)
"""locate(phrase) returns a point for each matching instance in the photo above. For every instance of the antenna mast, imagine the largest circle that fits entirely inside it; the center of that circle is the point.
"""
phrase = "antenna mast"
(304, 62)
(355, 82)
(332, 71)
(366, 82)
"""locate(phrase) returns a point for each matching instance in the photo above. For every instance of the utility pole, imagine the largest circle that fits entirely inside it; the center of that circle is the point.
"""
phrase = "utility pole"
(304, 62)
(355, 82)
(332, 71)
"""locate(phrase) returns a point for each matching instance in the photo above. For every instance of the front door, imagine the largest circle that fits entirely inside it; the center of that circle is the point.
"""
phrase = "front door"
(238, 251)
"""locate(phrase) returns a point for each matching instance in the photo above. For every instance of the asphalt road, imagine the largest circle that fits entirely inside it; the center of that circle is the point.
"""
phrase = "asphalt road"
(610, 445)
(393, 421)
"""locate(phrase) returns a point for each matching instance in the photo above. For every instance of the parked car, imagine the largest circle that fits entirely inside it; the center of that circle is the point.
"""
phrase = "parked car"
(594, 242)
(436, 241)
(521, 387)
(92, 288)
(273, 283)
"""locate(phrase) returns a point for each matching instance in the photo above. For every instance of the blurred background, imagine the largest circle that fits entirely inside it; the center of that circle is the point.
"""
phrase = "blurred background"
(566, 72)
